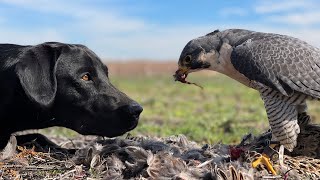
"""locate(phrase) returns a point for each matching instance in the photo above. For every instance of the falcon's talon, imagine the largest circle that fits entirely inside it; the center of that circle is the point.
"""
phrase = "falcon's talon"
(249, 137)
(274, 144)
(270, 152)
(265, 160)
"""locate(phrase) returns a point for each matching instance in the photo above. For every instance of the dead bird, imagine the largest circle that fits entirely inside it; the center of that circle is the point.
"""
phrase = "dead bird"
(176, 157)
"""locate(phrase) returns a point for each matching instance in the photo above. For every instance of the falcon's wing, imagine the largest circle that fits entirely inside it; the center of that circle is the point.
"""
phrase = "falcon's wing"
(280, 62)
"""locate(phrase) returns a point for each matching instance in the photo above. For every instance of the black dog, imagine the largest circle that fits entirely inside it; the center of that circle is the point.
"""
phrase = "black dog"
(56, 84)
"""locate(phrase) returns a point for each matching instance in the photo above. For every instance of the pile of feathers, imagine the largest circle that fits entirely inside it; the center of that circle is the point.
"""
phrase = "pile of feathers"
(141, 157)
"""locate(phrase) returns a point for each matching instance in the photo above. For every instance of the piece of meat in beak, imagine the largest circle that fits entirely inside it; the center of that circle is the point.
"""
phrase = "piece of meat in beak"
(181, 75)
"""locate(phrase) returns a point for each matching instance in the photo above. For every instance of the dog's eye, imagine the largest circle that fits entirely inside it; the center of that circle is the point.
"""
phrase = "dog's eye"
(86, 77)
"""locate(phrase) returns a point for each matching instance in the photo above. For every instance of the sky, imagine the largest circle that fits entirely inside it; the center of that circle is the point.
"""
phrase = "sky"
(150, 29)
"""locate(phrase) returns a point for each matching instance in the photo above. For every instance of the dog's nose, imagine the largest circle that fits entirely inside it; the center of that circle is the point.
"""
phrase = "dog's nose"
(135, 109)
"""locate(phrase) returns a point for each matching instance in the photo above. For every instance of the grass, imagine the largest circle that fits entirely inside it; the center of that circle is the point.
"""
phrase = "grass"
(223, 111)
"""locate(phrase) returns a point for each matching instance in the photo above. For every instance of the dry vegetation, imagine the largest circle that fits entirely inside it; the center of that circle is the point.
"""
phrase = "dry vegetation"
(173, 157)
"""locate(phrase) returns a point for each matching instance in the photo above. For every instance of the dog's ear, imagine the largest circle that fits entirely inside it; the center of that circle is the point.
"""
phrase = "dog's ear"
(36, 71)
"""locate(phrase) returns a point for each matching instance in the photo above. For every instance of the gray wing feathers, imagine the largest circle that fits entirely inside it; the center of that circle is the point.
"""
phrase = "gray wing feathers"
(280, 62)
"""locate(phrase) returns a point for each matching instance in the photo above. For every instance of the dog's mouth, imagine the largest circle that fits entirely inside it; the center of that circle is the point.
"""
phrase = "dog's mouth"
(112, 130)
(134, 125)
(104, 122)
(89, 131)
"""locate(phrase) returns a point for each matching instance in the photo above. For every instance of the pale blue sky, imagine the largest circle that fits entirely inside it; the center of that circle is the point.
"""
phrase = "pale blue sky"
(146, 29)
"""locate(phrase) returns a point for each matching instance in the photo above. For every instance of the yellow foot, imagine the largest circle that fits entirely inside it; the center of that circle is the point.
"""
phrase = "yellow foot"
(265, 160)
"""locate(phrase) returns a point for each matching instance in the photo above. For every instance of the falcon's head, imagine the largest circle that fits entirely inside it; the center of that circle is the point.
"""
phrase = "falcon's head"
(200, 53)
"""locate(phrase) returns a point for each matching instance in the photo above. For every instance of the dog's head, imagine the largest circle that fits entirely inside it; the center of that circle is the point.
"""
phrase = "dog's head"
(73, 84)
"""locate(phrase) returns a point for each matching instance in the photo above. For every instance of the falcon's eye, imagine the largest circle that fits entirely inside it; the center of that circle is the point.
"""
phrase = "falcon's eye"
(187, 59)
(86, 77)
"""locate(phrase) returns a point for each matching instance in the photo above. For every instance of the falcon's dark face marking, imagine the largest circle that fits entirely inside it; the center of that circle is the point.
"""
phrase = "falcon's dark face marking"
(192, 60)
(191, 55)
(200, 53)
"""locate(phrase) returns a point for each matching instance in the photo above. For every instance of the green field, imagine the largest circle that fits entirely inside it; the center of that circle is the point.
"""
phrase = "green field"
(223, 111)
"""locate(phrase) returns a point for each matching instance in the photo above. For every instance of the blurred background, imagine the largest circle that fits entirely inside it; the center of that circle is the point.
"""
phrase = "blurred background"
(141, 42)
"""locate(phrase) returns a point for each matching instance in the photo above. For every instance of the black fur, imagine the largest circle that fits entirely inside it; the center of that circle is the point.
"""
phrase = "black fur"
(41, 86)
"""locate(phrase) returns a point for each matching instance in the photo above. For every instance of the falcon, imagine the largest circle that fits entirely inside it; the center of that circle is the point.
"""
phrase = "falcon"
(283, 69)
